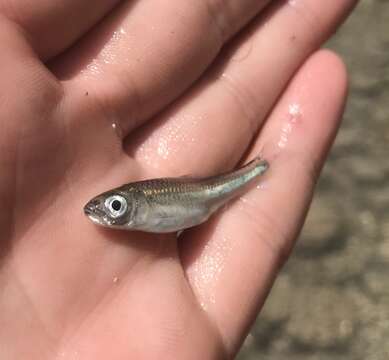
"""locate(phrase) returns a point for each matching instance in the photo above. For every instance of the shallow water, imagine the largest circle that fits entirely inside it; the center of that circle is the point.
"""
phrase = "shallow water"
(332, 298)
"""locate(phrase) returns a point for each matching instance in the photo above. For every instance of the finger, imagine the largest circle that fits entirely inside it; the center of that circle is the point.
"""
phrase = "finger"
(53, 25)
(241, 250)
(229, 105)
(148, 52)
(24, 81)
(28, 96)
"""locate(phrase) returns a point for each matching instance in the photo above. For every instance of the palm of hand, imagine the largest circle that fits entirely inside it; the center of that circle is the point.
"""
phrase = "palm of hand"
(77, 283)
(79, 291)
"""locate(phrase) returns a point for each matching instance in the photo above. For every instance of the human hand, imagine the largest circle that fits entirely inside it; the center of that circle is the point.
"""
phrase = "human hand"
(71, 290)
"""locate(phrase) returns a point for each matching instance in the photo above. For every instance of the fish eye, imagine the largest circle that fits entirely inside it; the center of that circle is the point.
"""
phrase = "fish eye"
(116, 205)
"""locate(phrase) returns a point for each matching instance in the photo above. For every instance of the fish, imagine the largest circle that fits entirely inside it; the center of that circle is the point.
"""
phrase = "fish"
(166, 205)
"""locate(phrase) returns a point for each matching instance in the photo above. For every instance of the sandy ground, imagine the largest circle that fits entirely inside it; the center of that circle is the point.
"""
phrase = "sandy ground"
(332, 298)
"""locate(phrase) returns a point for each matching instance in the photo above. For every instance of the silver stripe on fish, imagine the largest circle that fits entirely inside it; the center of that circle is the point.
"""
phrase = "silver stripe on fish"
(170, 204)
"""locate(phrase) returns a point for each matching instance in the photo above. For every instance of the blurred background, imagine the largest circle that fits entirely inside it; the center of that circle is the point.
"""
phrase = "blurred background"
(332, 298)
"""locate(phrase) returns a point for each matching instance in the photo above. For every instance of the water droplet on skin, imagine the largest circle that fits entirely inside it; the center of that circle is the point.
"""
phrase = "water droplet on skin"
(294, 109)
(117, 129)
(243, 200)
(166, 143)
(262, 186)
(292, 2)
(285, 132)
(145, 154)
(118, 34)
(294, 114)
(208, 268)
(107, 55)
(91, 68)
(163, 148)
(115, 280)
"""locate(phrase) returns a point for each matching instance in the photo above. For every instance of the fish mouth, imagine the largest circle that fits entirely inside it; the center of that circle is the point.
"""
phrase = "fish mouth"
(94, 213)
(98, 216)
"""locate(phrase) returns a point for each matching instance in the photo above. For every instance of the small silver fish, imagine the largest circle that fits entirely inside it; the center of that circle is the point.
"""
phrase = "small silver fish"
(170, 204)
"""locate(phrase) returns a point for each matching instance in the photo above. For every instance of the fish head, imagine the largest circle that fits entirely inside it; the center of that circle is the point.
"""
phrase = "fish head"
(113, 209)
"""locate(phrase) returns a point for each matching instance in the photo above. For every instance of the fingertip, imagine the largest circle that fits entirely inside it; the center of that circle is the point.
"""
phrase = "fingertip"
(332, 67)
